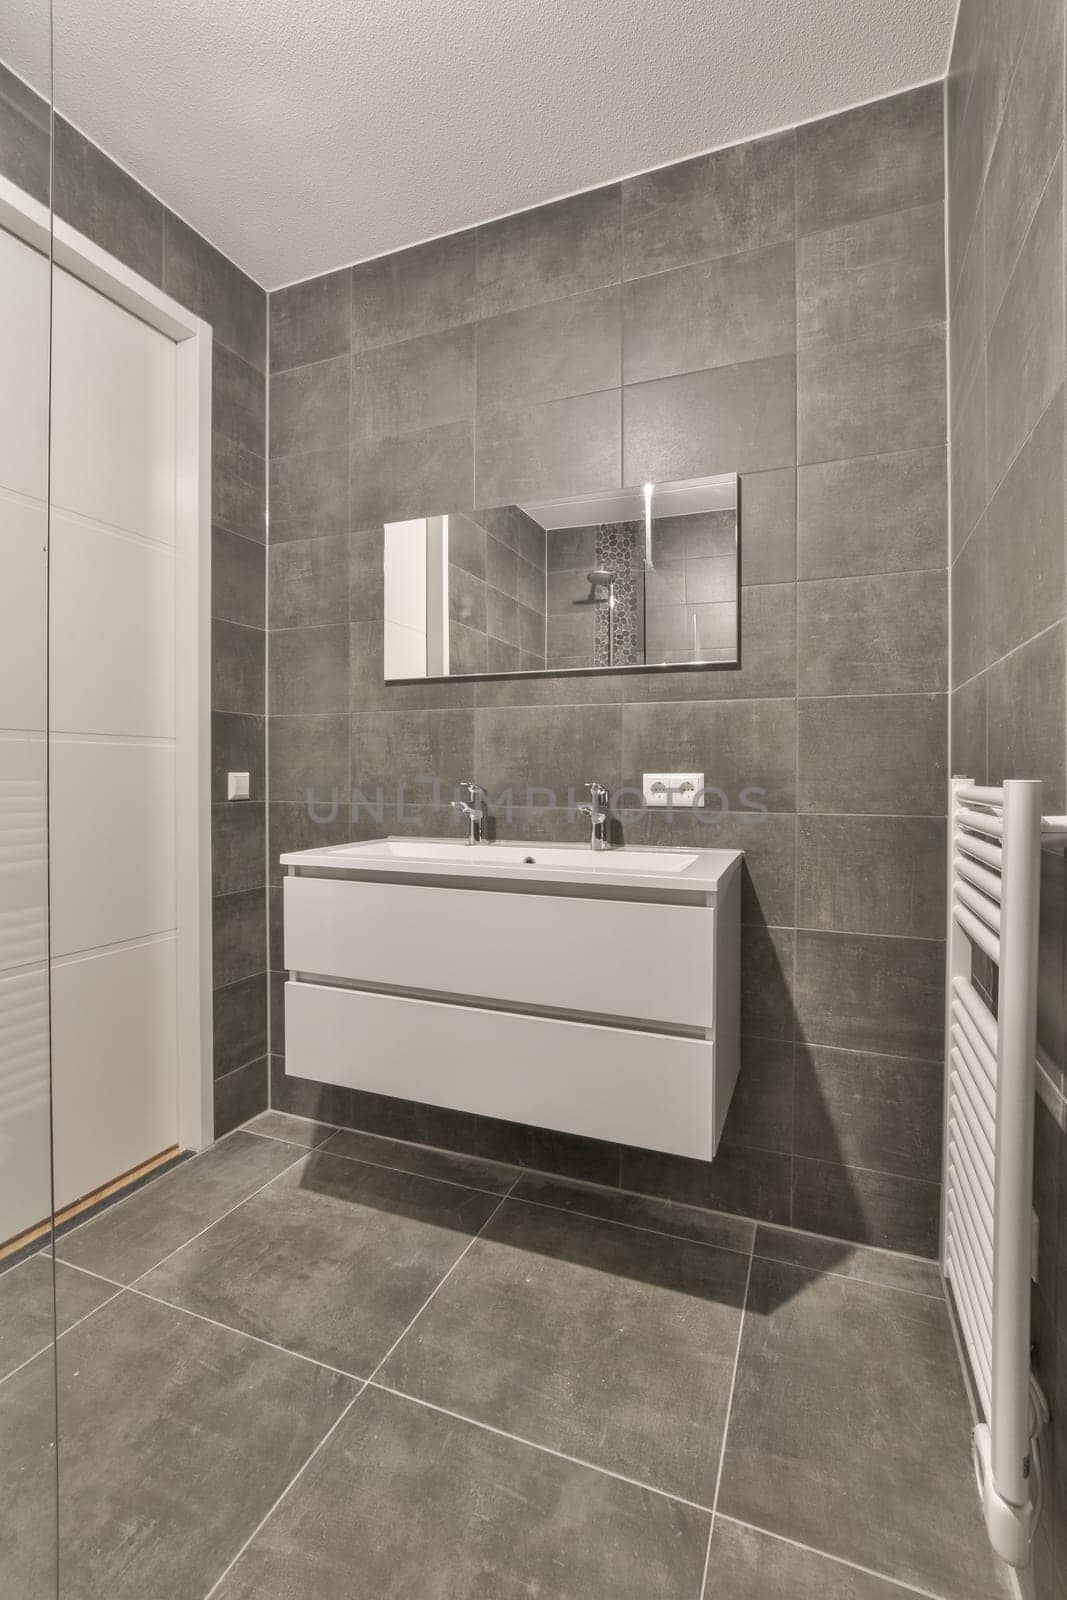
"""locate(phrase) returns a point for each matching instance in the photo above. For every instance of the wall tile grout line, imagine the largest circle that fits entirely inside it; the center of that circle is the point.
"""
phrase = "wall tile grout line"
(617, 1190)
(854, 1166)
(1026, 223)
(1006, 385)
(888, 463)
(952, 559)
(849, 1277)
(1042, 633)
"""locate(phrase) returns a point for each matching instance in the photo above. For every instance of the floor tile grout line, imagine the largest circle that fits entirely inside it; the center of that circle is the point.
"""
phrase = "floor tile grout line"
(632, 1227)
(327, 1436)
(533, 1444)
(848, 1244)
(728, 1418)
(538, 1172)
(849, 1277)
(332, 1430)
(616, 1192)
(440, 1283)
(408, 1172)
(87, 1272)
(214, 1223)
(52, 1343)
(385, 1166)
(364, 1383)
(157, 1177)
(243, 1333)
(841, 1561)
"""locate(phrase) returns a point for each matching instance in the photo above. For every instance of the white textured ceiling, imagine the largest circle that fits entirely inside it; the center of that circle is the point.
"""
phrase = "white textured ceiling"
(299, 135)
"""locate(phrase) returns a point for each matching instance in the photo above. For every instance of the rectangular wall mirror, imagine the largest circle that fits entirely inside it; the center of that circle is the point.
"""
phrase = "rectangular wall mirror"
(640, 577)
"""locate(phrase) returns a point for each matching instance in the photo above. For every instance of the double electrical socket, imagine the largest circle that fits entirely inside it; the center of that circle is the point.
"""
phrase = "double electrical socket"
(672, 788)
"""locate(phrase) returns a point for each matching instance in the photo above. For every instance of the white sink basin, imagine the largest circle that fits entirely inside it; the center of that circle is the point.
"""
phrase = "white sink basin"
(570, 858)
(574, 866)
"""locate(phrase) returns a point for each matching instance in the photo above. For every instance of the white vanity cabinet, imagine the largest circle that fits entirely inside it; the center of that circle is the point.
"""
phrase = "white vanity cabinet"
(592, 994)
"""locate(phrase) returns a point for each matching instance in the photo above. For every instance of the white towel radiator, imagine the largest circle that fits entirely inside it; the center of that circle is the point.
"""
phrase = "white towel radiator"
(994, 879)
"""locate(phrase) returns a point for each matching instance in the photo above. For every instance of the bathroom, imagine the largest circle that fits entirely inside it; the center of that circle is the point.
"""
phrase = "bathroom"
(498, 590)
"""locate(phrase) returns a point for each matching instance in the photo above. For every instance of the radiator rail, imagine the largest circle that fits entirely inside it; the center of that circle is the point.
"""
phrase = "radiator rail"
(991, 1046)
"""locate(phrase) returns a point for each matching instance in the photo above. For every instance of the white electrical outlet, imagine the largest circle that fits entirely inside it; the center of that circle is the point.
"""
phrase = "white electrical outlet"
(672, 788)
(237, 786)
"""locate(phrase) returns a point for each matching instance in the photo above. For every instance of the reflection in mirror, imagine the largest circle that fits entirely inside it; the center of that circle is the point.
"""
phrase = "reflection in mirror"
(637, 577)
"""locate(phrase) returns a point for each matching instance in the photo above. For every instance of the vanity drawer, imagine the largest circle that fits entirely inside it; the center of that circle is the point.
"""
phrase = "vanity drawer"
(629, 1087)
(626, 958)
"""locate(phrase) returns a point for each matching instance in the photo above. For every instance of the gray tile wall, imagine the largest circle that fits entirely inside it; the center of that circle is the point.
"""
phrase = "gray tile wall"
(106, 204)
(775, 309)
(1005, 120)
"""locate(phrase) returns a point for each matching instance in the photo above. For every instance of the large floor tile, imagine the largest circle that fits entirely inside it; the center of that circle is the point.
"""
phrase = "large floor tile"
(332, 1261)
(850, 1432)
(27, 1300)
(138, 1232)
(175, 1440)
(746, 1565)
(404, 1503)
(420, 1158)
(609, 1344)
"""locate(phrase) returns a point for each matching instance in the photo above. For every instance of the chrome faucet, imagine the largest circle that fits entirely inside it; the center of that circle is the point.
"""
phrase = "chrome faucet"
(597, 813)
(474, 809)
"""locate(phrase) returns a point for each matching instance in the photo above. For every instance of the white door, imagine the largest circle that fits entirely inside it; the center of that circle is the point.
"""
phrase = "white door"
(112, 741)
(25, 1190)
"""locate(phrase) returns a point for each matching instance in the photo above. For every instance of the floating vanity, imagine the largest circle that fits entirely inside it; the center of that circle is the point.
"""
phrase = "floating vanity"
(590, 992)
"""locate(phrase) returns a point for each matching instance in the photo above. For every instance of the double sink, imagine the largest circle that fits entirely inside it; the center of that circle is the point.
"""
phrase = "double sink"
(591, 991)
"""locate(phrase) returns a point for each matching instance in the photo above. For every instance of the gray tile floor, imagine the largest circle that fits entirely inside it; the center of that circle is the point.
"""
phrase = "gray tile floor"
(318, 1365)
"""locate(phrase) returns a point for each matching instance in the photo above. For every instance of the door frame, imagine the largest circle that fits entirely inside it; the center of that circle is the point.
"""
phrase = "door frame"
(32, 222)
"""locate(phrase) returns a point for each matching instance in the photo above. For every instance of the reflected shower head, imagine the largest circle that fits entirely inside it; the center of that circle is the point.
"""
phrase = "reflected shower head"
(601, 575)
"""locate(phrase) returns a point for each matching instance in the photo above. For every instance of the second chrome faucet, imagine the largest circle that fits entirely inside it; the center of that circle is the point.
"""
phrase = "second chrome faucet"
(475, 810)
(597, 812)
